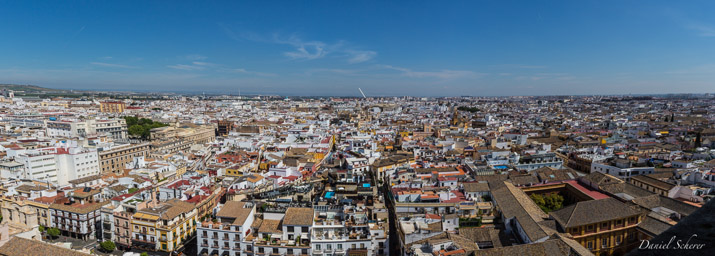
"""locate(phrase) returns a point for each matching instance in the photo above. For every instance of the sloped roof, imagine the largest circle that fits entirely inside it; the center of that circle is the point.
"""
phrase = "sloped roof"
(25, 247)
(298, 216)
(593, 211)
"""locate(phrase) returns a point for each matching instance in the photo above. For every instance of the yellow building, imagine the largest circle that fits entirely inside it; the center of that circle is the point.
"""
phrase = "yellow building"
(393, 161)
(165, 227)
(112, 107)
(605, 226)
(116, 158)
(237, 170)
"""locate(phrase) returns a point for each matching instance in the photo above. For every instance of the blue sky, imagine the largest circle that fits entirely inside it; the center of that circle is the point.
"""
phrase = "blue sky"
(421, 48)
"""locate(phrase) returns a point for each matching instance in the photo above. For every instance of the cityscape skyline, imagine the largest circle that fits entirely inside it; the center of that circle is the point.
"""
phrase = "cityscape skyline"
(387, 49)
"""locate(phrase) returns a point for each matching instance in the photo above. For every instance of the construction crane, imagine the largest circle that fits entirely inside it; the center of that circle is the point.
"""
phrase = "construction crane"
(363, 94)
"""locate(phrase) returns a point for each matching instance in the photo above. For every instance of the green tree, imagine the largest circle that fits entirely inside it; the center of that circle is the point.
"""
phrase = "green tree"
(143, 254)
(41, 228)
(53, 233)
(108, 246)
(548, 203)
(131, 120)
(539, 200)
(136, 130)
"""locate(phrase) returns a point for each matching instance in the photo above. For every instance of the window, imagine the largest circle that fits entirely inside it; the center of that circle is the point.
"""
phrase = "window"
(604, 243)
(329, 247)
(340, 246)
(604, 225)
(317, 247)
(589, 245)
(304, 229)
(291, 229)
(619, 239)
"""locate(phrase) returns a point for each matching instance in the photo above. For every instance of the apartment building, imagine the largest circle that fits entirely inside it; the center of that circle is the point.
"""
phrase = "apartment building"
(172, 139)
(227, 235)
(166, 227)
(536, 161)
(39, 165)
(116, 158)
(112, 107)
(606, 226)
(114, 128)
(271, 236)
(344, 230)
(76, 163)
(12, 170)
(78, 220)
(621, 170)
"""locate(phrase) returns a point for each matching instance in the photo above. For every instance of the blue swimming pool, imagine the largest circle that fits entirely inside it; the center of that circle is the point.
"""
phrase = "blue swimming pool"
(329, 194)
(366, 185)
(500, 166)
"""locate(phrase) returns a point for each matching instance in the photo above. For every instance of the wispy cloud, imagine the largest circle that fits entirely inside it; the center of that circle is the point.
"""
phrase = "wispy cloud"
(512, 66)
(702, 69)
(688, 23)
(111, 65)
(186, 67)
(195, 63)
(201, 63)
(702, 29)
(244, 71)
(195, 57)
(306, 49)
(547, 76)
(360, 56)
(334, 71)
(442, 74)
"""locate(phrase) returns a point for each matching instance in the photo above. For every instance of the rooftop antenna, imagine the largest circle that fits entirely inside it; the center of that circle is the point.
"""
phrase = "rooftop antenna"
(363, 94)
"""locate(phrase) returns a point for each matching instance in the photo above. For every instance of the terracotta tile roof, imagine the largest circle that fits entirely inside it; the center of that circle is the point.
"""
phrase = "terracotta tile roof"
(79, 208)
(235, 210)
(25, 247)
(593, 211)
(298, 217)
(270, 226)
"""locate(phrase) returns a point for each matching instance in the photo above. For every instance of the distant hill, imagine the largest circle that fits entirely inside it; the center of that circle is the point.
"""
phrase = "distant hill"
(27, 88)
